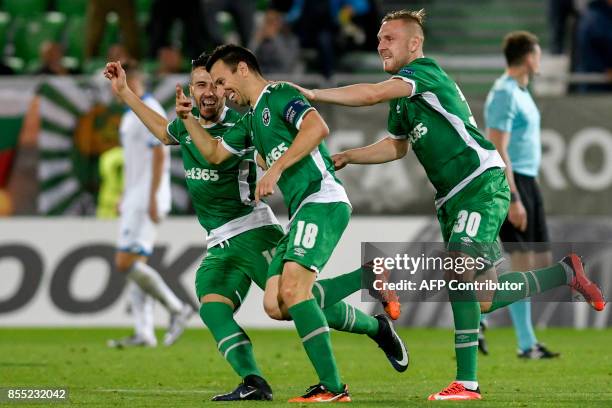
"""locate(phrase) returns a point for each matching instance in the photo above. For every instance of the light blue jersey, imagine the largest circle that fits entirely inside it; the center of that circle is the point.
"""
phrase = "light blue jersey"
(510, 108)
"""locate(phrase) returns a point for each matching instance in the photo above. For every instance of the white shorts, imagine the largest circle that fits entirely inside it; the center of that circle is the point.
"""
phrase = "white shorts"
(136, 233)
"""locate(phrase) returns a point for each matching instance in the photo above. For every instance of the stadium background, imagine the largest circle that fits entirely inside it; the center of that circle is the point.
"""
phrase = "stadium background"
(55, 253)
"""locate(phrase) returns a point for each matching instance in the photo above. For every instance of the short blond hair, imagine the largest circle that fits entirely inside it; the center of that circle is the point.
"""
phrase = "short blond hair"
(415, 16)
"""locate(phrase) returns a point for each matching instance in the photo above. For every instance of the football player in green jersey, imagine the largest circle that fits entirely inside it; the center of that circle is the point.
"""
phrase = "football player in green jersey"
(428, 112)
(241, 237)
(287, 134)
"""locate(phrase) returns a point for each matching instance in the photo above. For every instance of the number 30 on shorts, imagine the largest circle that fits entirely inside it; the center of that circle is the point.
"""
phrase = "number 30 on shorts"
(306, 235)
(468, 222)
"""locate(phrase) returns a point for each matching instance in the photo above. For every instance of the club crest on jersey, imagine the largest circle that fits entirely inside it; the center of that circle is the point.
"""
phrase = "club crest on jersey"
(188, 140)
(265, 116)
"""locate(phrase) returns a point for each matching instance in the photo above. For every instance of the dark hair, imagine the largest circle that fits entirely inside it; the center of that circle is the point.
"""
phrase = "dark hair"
(231, 55)
(200, 61)
(517, 45)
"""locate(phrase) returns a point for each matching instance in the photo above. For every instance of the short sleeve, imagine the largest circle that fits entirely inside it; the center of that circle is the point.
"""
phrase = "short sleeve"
(395, 125)
(174, 129)
(421, 78)
(290, 104)
(237, 139)
(500, 110)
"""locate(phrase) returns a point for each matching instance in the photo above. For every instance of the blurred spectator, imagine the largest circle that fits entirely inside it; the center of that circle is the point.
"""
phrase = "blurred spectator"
(316, 28)
(51, 59)
(97, 11)
(170, 61)
(561, 14)
(190, 14)
(275, 46)
(594, 43)
(330, 26)
(117, 52)
(242, 11)
(359, 22)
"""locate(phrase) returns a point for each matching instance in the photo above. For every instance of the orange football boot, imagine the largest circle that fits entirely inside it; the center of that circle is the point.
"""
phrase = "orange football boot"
(588, 289)
(320, 393)
(455, 392)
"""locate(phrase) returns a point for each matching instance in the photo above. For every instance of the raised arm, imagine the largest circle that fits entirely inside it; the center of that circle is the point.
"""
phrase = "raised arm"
(155, 122)
(313, 130)
(210, 148)
(360, 94)
(383, 151)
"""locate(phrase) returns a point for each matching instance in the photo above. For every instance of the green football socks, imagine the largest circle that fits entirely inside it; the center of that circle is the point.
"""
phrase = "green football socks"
(466, 310)
(533, 282)
(466, 314)
(340, 315)
(344, 317)
(232, 342)
(332, 290)
(314, 332)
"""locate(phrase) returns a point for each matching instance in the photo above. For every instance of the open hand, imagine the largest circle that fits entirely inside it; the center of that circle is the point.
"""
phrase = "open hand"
(308, 93)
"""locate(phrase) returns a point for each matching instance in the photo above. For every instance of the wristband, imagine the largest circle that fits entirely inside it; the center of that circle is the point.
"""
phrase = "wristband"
(514, 197)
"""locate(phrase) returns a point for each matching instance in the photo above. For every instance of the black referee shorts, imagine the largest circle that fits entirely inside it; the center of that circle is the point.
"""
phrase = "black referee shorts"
(535, 237)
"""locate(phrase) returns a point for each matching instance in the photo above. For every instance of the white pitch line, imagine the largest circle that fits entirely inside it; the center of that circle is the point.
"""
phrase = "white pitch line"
(153, 391)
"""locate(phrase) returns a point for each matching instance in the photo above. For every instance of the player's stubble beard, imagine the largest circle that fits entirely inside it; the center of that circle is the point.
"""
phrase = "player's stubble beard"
(211, 114)
(401, 56)
(391, 65)
(395, 63)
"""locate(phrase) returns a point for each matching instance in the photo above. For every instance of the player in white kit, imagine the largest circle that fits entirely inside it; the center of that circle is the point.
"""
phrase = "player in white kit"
(145, 202)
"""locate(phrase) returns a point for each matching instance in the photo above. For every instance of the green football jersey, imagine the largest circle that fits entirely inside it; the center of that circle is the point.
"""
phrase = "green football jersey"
(221, 194)
(438, 123)
(270, 128)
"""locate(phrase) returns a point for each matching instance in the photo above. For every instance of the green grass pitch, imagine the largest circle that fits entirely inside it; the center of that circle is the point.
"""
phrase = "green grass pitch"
(190, 372)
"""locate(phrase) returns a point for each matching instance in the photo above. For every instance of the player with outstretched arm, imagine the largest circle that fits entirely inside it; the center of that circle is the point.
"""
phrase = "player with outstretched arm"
(242, 235)
(428, 111)
(287, 134)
